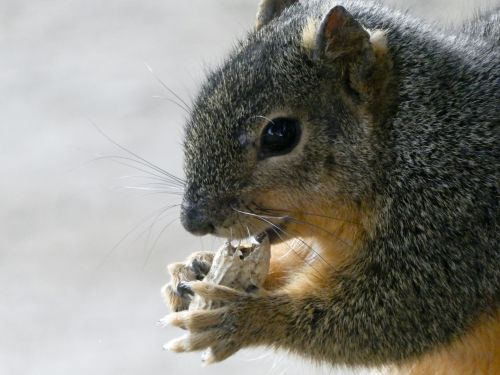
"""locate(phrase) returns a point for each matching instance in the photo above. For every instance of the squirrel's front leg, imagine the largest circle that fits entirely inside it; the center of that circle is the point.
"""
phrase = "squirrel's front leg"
(246, 319)
(365, 313)
(285, 261)
(261, 317)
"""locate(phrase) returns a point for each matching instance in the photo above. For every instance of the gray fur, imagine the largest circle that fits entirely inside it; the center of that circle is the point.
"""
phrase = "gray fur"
(485, 25)
(270, 9)
(428, 164)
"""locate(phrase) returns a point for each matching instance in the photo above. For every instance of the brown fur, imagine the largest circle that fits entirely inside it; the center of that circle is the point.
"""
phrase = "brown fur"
(478, 352)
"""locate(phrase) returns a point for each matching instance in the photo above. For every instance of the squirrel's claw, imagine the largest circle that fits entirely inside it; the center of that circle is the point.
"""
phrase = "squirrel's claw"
(219, 352)
(208, 329)
(204, 341)
(223, 331)
(195, 321)
(183, 289)
(191, 342)
(177, 293)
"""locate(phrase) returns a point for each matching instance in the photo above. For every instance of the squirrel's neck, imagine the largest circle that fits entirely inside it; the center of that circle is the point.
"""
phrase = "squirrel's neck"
(335, 231)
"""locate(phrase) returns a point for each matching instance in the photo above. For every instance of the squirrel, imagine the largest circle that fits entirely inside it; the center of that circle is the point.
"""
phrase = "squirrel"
(364, 143)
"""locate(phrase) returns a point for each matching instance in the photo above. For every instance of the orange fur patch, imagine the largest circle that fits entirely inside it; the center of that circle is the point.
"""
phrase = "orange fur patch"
(286, 260)
(331, 237)
(476, 353)
(325, 238)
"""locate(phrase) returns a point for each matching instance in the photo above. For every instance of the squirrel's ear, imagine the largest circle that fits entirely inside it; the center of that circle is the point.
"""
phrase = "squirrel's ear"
(362, 56)
(270, 9)
(340, 36)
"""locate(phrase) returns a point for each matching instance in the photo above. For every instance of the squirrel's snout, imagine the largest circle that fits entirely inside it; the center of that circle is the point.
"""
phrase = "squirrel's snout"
(195, 219)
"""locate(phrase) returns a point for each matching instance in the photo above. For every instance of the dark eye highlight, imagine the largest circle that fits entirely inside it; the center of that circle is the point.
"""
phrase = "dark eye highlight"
(280, 136)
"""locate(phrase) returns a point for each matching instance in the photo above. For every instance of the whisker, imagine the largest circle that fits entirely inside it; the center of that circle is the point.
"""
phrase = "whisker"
(291, 218)
(127, 235)
(150, 228)
(162, 176)
(151, 250)
(276, 228)
(164, 185)
(291, 249)
(334, 235)
(179, 194)
(115, 160)
(172, 101)
(151, 165)
(186, 106)
(147, 177)
(299, 239)
(166, 176)
(152, 189)
(240, 229)
(158, 184)
(309, 214)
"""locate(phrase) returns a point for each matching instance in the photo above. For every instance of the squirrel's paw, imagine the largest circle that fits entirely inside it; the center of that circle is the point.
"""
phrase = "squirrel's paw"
(223, 331)
(197, 265)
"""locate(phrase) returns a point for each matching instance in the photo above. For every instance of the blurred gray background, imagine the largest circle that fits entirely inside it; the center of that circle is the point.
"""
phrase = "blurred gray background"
(76, 297)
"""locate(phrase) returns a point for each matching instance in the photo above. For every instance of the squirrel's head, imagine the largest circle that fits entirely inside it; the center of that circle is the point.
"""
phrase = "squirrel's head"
(286, 124)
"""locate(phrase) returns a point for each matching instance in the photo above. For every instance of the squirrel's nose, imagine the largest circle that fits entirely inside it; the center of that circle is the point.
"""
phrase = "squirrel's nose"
(195, 220)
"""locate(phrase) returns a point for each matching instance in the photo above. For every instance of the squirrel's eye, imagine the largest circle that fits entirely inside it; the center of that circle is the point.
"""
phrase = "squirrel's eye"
(279, 136)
